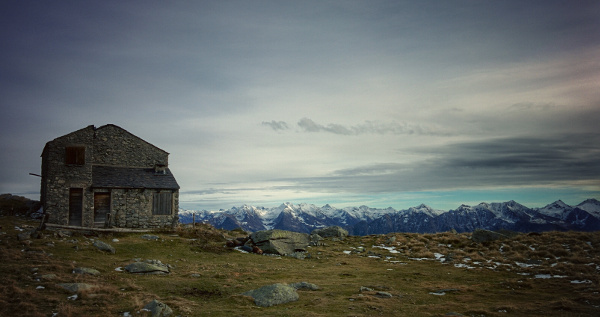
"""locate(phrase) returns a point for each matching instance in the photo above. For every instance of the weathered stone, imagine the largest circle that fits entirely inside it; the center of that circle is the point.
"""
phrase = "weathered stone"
(76, 287)
(381, 294)
(146, 268)
(299, 255)
(331, 232)
(280, 241)
(158, 309)
(26, 235)
(271, 295)
(48, 276)
(315, 240)
(481, 235)
(103, 246)
(85, 270)
(150, 237)
(305, 286)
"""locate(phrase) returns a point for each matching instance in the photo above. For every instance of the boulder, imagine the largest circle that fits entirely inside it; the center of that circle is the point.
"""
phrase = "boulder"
(147, 268)
(271, 295)
(150, 237)
(280, 241)
(481, 236)
(103, 246)
(158, 309)
(331, 232)
(76, 287)
(85, 270)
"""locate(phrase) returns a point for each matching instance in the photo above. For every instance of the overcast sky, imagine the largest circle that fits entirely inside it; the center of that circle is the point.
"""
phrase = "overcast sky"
(382, 103)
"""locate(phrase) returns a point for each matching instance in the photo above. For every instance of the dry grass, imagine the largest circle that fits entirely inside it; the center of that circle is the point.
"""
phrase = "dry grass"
(207, 278)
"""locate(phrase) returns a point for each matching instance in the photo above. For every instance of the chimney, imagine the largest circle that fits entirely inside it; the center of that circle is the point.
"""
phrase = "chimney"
(160, 169)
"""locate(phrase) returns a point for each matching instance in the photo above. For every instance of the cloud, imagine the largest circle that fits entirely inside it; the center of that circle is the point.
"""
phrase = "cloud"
(371, 127)
(558, 160)
(276, 125)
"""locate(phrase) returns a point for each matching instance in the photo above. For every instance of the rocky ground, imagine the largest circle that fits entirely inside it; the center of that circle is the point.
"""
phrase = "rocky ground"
(192, 272)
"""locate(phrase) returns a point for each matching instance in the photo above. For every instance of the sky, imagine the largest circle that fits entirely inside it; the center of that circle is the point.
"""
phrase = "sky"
(377, 103)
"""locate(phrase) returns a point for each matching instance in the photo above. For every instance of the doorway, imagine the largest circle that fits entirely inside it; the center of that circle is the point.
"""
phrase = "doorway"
(75, 206)
(101, 209)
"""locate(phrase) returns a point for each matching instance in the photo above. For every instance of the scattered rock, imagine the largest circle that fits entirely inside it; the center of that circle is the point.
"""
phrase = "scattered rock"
(280, 241)
(365, 289)
(305, 286)
(150, 237)
(148, 267)
(381, 294)
(25, 235)
(315, 240)
(299, 255)
(76, 287)
(85, 270)
(48, 276)
(103, 246)
(481, 236)
(158, 309)
(271, 295)
(331, 232)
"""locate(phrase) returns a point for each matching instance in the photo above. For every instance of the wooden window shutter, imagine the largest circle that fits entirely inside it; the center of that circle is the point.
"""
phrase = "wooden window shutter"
(75, 155)
(161, 203)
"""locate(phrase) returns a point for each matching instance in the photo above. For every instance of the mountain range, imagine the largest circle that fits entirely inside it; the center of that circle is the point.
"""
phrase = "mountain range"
(364, 220)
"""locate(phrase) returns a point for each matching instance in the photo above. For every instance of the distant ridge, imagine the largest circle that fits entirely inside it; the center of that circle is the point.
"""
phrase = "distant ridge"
(365, 220)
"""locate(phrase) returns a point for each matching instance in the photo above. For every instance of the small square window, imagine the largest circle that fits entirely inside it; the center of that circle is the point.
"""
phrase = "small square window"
(75, 155)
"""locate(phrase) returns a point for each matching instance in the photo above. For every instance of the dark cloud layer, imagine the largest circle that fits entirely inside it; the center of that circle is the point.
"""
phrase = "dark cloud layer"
(533, 161)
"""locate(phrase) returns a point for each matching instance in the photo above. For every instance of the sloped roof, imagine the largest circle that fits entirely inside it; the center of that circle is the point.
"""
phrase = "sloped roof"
(131, 177)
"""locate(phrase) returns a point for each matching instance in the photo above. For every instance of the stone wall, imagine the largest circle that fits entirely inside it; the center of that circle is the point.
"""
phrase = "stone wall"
(114, 146)
(59, 178)
(132, 208)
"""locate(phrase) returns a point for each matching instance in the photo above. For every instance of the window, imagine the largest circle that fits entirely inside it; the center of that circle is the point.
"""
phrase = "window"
(161, 203)
(75, 155)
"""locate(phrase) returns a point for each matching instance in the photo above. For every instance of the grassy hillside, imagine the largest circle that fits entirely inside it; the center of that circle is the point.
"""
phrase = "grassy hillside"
(554, 274)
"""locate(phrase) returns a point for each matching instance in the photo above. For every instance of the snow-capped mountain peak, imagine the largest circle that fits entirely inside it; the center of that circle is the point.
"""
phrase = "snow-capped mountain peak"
(364, 220)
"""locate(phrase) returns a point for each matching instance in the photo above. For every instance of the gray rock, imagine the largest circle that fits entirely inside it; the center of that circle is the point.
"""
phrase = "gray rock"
(299, 255)
(76, 287)
(85, 270)
(150, 237)
(315, 240)
(280, 241)
(305, 286)
(26, 235)
(381, 294)
(48, 276)
(158, 309)
(331, 232)
(271, 295)
(103, 246)
(481, 235)
(146, 268)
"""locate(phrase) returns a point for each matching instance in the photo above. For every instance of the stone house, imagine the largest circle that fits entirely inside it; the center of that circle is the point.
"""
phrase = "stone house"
(107, 177)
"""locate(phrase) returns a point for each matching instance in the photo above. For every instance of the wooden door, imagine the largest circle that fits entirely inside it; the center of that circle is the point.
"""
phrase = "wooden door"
(75, 206)
(101, 209)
